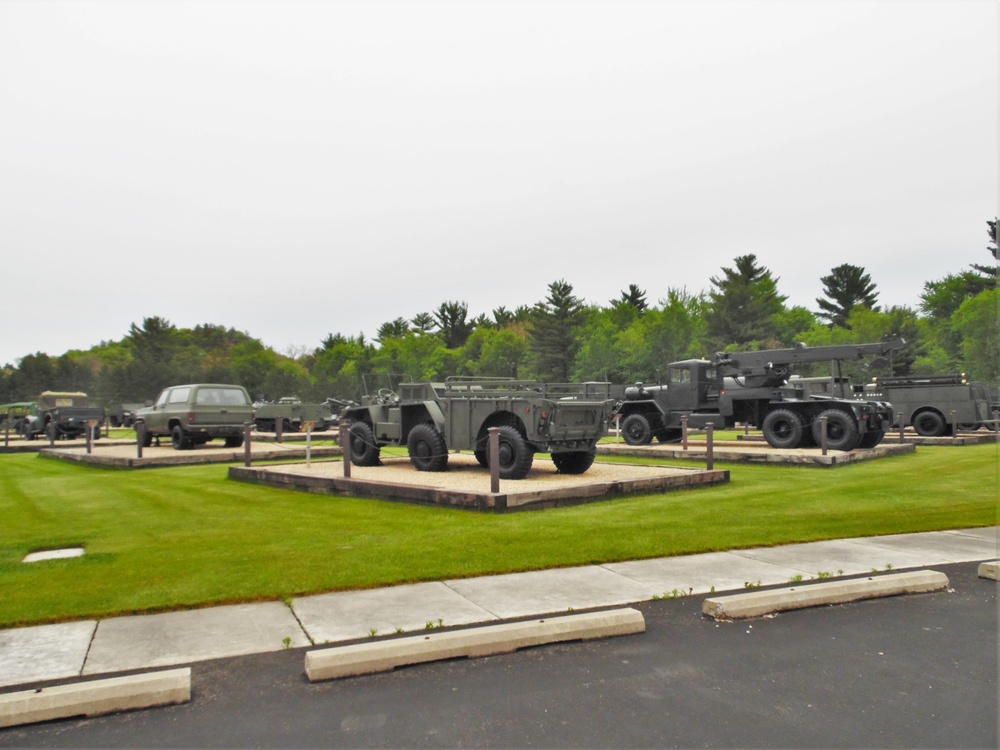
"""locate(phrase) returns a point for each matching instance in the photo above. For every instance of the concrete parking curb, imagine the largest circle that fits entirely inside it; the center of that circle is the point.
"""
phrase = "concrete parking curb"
(758, 603)
(990, 569)
(96, 697)
(383, 656)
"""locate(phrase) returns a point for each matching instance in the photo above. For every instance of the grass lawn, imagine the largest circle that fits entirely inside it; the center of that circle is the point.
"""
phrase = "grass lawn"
(181, 537)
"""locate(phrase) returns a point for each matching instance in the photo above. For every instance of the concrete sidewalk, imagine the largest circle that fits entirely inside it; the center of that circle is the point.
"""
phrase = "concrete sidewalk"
(66, 650)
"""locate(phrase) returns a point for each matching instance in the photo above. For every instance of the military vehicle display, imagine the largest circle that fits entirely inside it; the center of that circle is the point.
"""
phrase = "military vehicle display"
(123, 415)
(752, 388)
(933, 403)
(430, 419)
(12, 415)
(293, 414)
(62, 416)
(196, 413)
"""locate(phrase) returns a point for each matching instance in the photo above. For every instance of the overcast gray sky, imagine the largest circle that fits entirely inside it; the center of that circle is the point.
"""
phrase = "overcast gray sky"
(293, 169)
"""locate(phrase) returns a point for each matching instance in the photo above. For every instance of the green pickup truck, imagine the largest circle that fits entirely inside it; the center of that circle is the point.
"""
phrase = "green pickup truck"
(196, 413)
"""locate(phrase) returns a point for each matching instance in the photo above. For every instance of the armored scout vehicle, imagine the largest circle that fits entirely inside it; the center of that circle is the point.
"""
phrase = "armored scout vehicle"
(194, 414)
(751, 388)
(62, 415)
(432, 418)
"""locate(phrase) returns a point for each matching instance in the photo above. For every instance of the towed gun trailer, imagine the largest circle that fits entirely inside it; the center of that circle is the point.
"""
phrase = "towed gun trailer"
(430, 419)
(933, 402)
(750, 388)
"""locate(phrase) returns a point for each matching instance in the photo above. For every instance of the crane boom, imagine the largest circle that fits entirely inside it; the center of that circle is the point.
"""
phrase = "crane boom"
(775, 366)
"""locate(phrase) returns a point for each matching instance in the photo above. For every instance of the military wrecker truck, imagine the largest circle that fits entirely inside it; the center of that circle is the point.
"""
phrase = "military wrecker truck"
(430, 419)
(933, 402)
(62, 415)
(751, 388)
(293, 414)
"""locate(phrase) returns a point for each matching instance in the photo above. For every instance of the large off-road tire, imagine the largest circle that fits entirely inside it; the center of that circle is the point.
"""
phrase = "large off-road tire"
(481, 458)
(364, 449)
(428, 450)
(147, 437)
(574, 462)
(636, 430)
(782, 428)
(841, 431)
(929, 424)
(968, 426)
(178, 440)
(871, 438)
(516, 456)
(234, 441)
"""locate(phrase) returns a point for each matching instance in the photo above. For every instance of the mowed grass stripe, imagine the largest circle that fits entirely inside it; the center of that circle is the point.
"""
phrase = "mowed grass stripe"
(186, 536)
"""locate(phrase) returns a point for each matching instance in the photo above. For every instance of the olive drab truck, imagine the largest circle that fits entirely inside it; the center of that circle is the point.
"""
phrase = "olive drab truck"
(935, 404)
(752, 388)
(62, 415)
(293, 413)
(431, 419)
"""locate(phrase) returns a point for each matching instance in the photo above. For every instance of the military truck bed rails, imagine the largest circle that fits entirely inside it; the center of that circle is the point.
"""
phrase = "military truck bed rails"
(565, 420)
(933, 402)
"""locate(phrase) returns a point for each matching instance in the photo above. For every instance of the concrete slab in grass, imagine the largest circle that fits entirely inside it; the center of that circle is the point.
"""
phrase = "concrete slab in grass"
(547, 591)
(936, 547)
(505, 638)
(347, 615)
(759, 603)
(96, 697)
(143, 641)
(989, 570)
(44, 652)
(699, 574)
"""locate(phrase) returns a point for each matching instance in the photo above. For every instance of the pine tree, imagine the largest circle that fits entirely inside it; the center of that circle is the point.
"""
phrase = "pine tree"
(554, 325)
(743, 305)
(845, 287)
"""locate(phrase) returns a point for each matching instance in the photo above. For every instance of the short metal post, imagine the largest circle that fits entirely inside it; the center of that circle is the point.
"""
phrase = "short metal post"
(107, 427)
(50, 432)
(279, 429)
(309, 434)
(618, 428)
(140, 438)
(709, 447)
(822, 435)
(247, 448)
(90, 438)
(494, 448)
(902, 427)
(954, 425)
(684, 431)
(6, 435)
(345, 447)
(746, 428)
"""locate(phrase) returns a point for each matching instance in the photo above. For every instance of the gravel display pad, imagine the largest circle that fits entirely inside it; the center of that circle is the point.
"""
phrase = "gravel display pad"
(466, 484)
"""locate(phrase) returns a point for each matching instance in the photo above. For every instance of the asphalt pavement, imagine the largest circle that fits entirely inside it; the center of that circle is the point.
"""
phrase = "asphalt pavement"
(916, 671)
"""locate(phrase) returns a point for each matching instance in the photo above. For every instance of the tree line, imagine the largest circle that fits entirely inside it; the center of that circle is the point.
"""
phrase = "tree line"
(558, 339)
